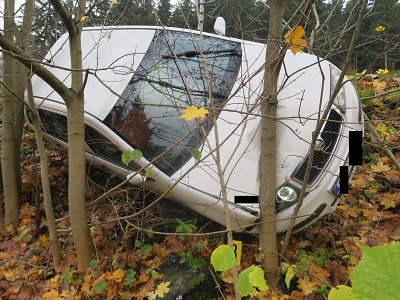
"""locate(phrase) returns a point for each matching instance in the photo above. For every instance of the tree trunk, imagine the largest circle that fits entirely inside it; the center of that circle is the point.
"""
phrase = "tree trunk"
(44, 173)
(76, 150)
(10, 181)
(268, 241)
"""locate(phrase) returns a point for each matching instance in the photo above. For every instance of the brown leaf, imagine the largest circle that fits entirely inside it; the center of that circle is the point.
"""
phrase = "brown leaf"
(51, 295)
(318, 273)
(117, 276)
(307, 285)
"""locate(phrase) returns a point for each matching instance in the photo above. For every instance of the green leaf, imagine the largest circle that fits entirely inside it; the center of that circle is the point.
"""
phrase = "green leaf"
(137, 244)
(100, 287)
(341, 292)
(168, 190)
(223, 258)
(146, 249)
(130, 278)
(115, 258)
(244, 285)
(67, 276)
(196, 154)
(257, 279)
(149, 173)
(378, 273)
(289, 275)
(93, 265)
(131, 155)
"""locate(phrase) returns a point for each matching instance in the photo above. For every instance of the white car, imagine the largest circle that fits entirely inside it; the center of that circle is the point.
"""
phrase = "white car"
(141, 80)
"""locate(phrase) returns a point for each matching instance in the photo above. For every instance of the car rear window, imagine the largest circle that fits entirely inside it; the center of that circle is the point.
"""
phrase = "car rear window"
(180, 69)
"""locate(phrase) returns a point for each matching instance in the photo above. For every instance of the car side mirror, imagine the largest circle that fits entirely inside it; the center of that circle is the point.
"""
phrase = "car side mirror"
(136, 178)
(220, 26)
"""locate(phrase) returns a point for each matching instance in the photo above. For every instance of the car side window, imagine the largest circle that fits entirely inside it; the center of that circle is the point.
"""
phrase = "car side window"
(103, 147)
(54, 124)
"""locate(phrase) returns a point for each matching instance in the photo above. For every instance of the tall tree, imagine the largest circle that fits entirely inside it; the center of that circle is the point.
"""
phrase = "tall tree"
(12, 119)
(164, 11)
(184, 15)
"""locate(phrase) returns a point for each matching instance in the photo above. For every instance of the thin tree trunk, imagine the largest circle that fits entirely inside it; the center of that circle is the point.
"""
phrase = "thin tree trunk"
(44, 172)
(10, 182)
(268, 241)
(76, 151)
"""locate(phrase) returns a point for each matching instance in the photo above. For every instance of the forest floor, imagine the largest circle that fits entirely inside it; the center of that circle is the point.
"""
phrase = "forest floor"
(129, 258)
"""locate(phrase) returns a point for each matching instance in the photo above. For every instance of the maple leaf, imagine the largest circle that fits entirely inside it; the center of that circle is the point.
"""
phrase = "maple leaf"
(51, 295)
(379, 86)
(162, 289)
(388, 203)
(114, 2)
(117, 276)
(380, 167)
(193, 112)
(307, 285)
(294, 39)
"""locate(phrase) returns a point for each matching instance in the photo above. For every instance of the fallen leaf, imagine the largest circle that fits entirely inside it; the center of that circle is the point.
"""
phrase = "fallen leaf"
(318, 273)
(51, 295)
(193, 112)
(380, 167)
(307, 285)
(388, 203)
(117, 276)
(162, 289)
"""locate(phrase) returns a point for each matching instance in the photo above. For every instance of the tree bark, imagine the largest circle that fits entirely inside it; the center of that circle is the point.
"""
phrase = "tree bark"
(274, 56)
(10, 182)
(44, 173)
(76, 150)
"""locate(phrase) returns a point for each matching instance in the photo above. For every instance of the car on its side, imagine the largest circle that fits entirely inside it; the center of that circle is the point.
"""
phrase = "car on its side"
(144, 77)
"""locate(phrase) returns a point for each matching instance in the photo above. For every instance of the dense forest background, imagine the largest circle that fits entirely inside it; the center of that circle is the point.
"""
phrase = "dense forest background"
(248, 19)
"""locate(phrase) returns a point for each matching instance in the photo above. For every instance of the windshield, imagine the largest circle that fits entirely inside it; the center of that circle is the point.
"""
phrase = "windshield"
(179, 70)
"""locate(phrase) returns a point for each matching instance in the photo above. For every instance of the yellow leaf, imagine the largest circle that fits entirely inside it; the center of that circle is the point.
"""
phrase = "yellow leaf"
(83, 18)
(51, 295)
(226, 276)
(388, 203)
(43, 240)
(380, 28)
(382, 71)
(289, 275)
(117, 276)
(114, 2)
(162, 289)
(193, 112)
(294, 39)
(307, 285)
(379, 86)
(380, 167)
(382, 129)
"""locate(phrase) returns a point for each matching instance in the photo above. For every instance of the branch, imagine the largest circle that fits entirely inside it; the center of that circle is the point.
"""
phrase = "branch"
(65, 16)
(16, 52)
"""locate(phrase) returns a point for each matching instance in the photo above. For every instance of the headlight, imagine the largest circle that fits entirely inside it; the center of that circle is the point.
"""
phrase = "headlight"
(340, 100)
(286, 196)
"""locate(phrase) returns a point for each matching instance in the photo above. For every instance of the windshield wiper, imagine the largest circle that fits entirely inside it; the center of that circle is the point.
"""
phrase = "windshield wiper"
(232, 52)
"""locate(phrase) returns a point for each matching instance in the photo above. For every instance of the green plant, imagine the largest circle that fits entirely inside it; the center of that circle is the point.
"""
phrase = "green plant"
(251, 280)
(375, 277)
(184, 226)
